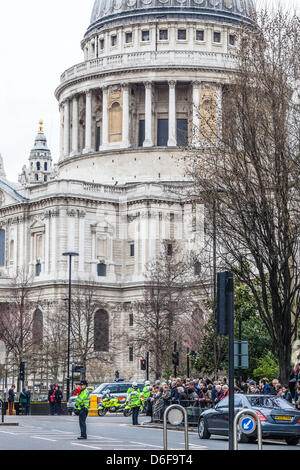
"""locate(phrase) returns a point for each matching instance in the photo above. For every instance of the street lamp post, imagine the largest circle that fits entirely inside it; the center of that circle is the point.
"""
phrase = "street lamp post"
(70, 254)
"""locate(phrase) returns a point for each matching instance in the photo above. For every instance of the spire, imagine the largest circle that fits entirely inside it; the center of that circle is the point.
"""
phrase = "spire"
(41, 130)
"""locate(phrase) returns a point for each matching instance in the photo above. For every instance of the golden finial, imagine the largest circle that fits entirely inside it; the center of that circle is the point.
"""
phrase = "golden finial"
(41, 130)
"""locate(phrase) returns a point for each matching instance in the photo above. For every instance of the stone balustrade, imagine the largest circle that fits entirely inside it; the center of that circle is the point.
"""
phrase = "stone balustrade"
(151, 59)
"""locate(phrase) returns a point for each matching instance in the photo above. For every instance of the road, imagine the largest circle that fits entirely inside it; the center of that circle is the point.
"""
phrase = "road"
(108, 433)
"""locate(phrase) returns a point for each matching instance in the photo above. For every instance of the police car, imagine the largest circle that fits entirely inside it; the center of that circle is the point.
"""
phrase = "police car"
(116, 389)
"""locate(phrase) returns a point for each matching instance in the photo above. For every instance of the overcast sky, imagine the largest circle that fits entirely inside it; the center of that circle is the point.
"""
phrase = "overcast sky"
(39, 39)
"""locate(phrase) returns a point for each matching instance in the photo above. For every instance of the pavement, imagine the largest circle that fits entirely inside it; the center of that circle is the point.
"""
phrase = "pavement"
(107, 433)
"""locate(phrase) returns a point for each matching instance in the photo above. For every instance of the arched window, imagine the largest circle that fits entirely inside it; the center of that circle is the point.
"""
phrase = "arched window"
(2, 247)
(37, 328)
(38, 166)
(101, 270)
(38, 269)
(46, 166)
(101, 331)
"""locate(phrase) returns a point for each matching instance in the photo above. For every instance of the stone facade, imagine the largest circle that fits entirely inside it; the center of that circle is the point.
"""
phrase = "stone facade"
(126, 112)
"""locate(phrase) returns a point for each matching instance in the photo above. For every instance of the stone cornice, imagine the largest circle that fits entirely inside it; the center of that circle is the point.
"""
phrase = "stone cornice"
(132, 70)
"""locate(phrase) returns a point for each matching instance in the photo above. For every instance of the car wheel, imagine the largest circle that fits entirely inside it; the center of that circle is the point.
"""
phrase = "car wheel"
(241, 438)
(292, 441)
(202, 429)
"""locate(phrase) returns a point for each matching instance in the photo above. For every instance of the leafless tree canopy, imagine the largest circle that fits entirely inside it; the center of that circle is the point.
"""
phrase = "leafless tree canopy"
(168, 303)
(247, 174)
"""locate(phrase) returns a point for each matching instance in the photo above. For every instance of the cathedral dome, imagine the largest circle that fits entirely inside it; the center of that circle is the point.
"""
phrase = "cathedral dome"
(233, 11)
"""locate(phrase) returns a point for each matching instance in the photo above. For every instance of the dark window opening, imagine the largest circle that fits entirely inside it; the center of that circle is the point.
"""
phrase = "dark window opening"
(163, 34)
(101, 44)
(141, 132)
(162, 132)
(181, 34)
(113, 40)
(182, 132)
(198, 268)
(231, 39)
(132, 250)
(131, 319)
(199, 35)
(145, 35)
(37, 328)
(131, 354)
(98, 139)
(170, 249)
(128, 38)
(2, 247)
(38, 269)
(46, 166)
(217, 37)
(38, 166)
(101, 331)
(101, 270)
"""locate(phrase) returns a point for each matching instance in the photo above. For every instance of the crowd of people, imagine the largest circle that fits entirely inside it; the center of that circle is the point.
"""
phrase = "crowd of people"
(205, 393)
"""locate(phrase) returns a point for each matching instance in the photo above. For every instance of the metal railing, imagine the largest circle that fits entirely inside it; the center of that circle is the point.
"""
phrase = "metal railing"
(182, 418)
(193, 410)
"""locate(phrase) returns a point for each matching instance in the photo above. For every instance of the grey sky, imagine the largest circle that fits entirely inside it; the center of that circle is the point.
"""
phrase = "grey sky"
(38, 41)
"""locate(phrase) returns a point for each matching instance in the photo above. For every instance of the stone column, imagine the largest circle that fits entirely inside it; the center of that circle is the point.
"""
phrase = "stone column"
(88, 122)
(61, 143)
(104, 118)
(148, 115)
(75, 126)
(172, 142)
(66, 128)
(126, 118)
(196, 120)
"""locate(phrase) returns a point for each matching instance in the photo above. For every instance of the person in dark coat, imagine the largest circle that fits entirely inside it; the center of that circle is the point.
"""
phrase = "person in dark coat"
(28, 403)
(23, 401)
(11, 399)
(51, 399)
(58, 400)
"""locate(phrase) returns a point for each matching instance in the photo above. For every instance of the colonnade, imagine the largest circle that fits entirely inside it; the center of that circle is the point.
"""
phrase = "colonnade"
(70, 134)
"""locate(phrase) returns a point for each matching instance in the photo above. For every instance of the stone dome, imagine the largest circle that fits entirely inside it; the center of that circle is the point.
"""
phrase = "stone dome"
(233, 11)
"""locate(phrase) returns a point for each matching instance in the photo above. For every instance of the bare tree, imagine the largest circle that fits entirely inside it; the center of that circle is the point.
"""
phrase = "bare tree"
(16, 318)
(169, 296)
(248, 174)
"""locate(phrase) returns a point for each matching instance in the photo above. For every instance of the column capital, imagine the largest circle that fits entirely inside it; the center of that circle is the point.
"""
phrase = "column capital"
(172, 83)
(148, 84)
(196, 83)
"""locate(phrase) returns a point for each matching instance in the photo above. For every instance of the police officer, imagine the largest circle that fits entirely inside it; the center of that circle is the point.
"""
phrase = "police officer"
(82, 404)
(146, 395)
(135, 403)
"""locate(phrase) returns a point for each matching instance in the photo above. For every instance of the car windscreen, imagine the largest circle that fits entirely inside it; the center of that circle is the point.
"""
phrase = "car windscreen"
(99, 389)
(270, 402)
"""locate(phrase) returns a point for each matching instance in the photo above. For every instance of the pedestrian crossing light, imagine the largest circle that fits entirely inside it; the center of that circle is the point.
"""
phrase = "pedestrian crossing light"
(175, 358)
(22, 372)
(143, 364)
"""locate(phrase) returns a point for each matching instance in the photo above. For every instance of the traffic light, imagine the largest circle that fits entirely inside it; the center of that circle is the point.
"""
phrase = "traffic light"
(143, 364)
(175, 358)
(22, 371)
(224, 307)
